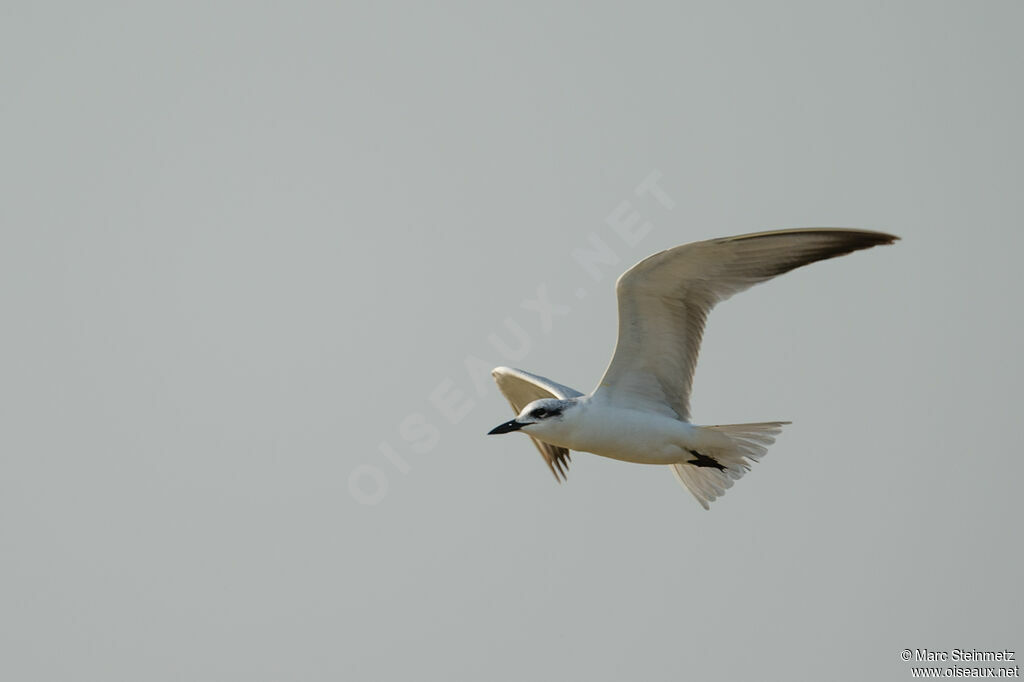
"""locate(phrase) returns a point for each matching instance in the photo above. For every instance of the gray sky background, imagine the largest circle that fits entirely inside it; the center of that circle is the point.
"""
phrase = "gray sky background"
(243, 243)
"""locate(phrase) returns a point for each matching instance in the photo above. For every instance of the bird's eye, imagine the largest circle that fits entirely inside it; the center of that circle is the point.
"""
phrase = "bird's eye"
(539, 412)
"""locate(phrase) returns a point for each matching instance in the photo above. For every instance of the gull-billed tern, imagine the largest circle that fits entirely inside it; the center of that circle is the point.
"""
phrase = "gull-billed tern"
(640, 410)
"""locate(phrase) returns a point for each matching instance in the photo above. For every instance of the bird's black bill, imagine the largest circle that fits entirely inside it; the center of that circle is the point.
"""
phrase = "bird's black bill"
(507, 427)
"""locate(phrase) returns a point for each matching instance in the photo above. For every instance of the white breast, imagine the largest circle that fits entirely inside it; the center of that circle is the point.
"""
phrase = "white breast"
(630, 435)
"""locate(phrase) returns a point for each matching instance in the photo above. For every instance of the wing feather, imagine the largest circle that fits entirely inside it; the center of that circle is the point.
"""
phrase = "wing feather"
(664, 301)
(522, 388)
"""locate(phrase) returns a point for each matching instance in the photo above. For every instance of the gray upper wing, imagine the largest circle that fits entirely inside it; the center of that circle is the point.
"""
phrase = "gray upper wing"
(665, 299)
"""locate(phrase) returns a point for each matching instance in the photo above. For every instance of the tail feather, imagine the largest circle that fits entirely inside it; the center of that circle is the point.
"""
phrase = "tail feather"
(727, 452)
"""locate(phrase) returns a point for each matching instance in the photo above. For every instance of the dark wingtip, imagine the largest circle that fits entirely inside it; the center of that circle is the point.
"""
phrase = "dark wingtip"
(877, 238)
(557, 473)
(821, 243)
(864, 238)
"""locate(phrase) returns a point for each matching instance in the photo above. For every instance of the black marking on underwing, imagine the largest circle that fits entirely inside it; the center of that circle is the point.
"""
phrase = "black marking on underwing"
(704, 461)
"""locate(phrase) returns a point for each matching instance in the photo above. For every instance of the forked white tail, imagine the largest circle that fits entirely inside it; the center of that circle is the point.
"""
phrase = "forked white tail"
(743, 444)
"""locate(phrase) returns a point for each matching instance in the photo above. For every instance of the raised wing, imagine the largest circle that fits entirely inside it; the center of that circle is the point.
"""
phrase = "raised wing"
(522, 388)
(664, 301)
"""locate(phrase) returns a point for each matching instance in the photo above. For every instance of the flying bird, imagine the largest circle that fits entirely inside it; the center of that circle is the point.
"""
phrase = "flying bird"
(640, 410)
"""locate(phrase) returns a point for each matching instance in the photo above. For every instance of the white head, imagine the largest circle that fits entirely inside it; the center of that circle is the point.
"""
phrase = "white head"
(545, 418)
